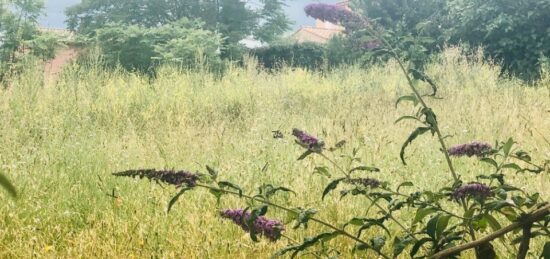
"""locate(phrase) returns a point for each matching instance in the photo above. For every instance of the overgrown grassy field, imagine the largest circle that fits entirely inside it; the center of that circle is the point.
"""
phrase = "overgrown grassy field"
(60, 142)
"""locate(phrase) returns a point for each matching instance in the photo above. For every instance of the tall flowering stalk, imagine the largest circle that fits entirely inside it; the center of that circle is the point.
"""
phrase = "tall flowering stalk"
(476, 190)
(308, 141)
(177, 178)
(269, 228)
(475, 148)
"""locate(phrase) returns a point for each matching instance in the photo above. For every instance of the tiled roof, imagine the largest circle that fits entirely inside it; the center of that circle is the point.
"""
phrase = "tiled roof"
(314, 34)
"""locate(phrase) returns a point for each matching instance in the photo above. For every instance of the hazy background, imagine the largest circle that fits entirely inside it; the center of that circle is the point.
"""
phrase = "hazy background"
(55, 16)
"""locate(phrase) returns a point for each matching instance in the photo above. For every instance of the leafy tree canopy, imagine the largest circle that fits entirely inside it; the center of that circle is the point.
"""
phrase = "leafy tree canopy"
(234, 19)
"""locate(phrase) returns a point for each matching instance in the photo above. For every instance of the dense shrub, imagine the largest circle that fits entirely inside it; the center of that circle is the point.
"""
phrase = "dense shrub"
(306, 55)
(138, 49)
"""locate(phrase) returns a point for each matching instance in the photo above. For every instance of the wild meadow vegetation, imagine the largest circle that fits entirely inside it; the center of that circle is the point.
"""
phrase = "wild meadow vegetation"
(61, 142)
(385, 142)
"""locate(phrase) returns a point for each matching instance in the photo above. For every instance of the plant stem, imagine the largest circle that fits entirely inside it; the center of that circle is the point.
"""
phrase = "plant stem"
(524, 246)
(322, 222)
(529, 219)
(374, 202)
(434, 127)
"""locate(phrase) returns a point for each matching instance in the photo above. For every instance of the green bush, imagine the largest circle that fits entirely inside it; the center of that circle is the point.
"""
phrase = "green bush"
(305, 55)
(137, 48)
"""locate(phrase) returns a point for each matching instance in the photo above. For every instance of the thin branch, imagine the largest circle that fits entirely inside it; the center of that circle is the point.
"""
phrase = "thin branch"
(339, 230)
(529, 219)
(524, 246)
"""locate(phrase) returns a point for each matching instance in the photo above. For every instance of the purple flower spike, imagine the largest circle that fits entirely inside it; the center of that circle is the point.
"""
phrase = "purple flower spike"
(308, 141)
(366, 182)
(268, 228)
(177, 178)
(334, 13)
(477, 190)
(475, 148)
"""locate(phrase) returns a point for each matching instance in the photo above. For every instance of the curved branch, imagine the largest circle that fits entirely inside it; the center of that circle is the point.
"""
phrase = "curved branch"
(529, 219)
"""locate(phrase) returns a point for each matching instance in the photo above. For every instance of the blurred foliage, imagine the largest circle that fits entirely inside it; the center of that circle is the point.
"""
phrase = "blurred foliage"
(513, 33)
(234, 19)
(305, 55)
(139, 49)
(18, 24)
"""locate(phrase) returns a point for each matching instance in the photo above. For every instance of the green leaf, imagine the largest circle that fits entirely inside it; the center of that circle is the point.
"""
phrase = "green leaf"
(305, 154)
(373, 222)
(417, 132)
(226, 184)
(399, 245)
(419, 75)
(322, 170)
(431, 119)
(422, 213)
(308, 242)
(378, 242)
(269, 190)
(411, 98)
(364, 168)
(508, 146)
(512, 166)
(6, 184)
(254, 214)
(417, 246)
(490, 161)
(407, 118)
(176, 197)
(303, 217)
(405, 184)
(546, 251)
(331, 186)
(442, 224)
(431, 227)
(213, 173)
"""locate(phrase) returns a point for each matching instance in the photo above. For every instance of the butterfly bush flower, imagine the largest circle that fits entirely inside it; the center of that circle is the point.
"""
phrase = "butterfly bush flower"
(334, 14)
(268, 228)
(366, 182)
(476, 190)
(308, 141)
(177, 178)
(475, 148)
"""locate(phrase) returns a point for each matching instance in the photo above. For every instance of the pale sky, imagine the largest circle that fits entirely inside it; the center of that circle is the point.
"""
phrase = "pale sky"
(55, 16)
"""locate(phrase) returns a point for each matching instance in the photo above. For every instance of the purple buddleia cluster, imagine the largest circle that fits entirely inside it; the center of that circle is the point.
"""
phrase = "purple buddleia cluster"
(475, 148)
(177, 178)
(476, 190)
(335, 14)
(308, 141)
(268, 228)
(366, 182)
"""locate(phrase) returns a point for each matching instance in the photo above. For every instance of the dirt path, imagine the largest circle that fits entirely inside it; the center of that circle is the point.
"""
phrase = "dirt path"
(53, 67)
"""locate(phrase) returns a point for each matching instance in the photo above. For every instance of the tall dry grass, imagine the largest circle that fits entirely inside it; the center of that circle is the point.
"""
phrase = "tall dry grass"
(60, 141)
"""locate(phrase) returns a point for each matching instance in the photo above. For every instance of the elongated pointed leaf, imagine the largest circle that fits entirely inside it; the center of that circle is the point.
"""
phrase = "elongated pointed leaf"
(226, 184)
(490, 161)
(365, 168)
(508, 146)
(422, 213)
(176, 197)
(407, 118)
(305, 154)
(254, 214)
(6, 184)
(331, 186)
(411, 98)
(546, 251)
(417, 132)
